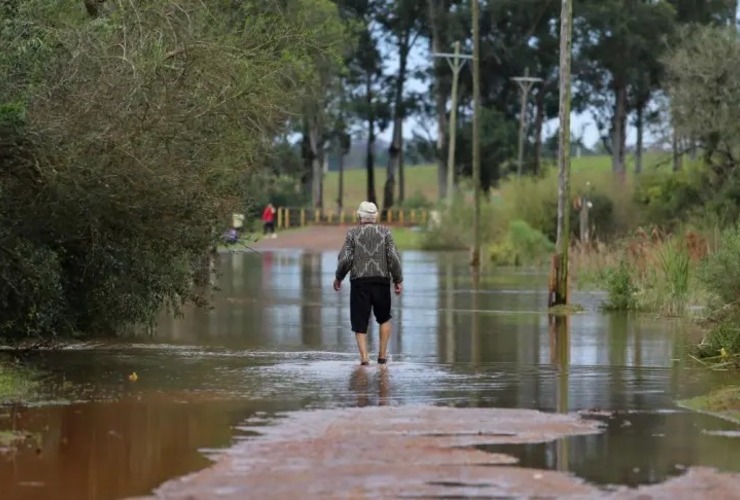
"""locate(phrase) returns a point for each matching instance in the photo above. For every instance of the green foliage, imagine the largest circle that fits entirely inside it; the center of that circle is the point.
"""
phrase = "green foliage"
(114, 194)
(16, 384)
(723, 340)
(534, 201)
(417, 201)
(621, 289)
(675, 265)
(522, 245)
(455, 230)
(720, 272)
(667, 197)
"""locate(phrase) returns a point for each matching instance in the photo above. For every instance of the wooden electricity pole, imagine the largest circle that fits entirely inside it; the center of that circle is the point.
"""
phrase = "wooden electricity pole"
(525, 83)
(456, 62)
(475, 261)
(559, 272)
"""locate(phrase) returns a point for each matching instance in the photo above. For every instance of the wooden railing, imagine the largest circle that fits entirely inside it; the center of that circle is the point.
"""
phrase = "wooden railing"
(298, 217)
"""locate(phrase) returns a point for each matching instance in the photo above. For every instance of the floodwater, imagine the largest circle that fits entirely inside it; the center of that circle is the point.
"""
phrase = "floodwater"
(278, 339)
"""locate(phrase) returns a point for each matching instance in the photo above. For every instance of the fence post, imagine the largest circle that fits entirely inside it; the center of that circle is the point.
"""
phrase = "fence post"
(400, 216)
(303, 217)
(286, 215)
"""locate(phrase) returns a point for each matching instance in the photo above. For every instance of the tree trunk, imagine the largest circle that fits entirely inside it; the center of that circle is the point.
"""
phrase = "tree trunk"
(307, 154)
(619, 121)
(539, 121)
(317, 167)
(676, 153)
(640, 124)
(396, 148)
(436, 8)
(340, 166)
(370, 158)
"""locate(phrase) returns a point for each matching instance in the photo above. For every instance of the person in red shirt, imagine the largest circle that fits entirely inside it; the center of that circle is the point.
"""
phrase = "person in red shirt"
(268, 218)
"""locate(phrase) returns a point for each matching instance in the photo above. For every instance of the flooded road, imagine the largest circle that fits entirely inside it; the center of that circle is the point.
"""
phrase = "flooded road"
(278, 340)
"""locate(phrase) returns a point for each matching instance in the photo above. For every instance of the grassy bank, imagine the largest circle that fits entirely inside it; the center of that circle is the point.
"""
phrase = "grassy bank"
(724, 403)
(16, 383)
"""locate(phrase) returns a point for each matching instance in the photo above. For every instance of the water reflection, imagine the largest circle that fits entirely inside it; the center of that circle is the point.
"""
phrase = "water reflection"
(365, 383)
(112, 450)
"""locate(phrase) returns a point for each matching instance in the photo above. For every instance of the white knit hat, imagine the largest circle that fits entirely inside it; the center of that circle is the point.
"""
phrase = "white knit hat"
(367, 212)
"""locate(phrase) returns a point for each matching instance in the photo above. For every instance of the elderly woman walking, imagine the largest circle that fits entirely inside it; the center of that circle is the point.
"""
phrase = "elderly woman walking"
(371, 258)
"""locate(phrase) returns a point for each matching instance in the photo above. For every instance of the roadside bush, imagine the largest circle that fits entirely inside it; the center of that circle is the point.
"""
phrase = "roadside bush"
(720, 272)
(417, 201)
(522, 245)
(455, 228)
(646, 271)
(109, 211)
(534, 201)
(667, 197)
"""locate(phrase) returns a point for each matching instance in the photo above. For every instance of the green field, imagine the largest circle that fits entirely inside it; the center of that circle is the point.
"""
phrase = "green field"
(423, 179)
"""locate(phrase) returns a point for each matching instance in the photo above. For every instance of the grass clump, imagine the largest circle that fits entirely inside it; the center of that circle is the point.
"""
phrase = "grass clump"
(16, 383)
(621, 289)
(646, 271)
(724, 403)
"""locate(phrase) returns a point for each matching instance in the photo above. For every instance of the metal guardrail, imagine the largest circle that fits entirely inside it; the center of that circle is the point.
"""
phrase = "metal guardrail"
(288, 217)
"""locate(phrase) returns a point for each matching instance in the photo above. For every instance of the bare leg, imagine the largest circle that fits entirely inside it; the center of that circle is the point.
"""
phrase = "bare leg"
(362, 346)
(385, 334)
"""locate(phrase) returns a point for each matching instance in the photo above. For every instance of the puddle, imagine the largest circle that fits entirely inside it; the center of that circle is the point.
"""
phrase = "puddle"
(635, 449)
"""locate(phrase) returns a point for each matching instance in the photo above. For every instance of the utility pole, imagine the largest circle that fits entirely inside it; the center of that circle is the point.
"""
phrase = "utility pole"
(456, 62)
(559, 272)
(475, 261)
(525, 83)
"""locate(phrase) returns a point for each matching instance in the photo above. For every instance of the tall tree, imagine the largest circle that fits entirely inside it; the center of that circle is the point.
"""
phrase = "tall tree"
(401, 20)
(614, 41)
(365, 80)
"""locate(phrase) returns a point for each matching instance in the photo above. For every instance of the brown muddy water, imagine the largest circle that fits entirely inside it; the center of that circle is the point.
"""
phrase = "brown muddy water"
(278, 339)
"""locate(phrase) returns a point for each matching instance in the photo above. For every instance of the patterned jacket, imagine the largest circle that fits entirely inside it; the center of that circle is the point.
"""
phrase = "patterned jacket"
(369, 252)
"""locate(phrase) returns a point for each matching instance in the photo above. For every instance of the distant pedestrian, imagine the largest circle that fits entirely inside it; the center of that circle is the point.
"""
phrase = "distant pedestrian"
(370, 255)
(268, 218)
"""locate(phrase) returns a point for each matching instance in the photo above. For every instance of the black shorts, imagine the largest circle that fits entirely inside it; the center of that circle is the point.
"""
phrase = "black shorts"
(365, 296)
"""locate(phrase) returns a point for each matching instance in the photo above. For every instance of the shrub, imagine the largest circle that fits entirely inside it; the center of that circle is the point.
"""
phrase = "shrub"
(534, 201)
(522, 245)
(417, 201)
(621, 289)
(722, 340)
(675, 264)
(455, 229)
(720, 272)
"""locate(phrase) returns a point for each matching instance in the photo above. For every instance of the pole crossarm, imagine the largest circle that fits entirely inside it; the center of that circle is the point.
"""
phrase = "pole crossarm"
(525, 84)
(456, 61)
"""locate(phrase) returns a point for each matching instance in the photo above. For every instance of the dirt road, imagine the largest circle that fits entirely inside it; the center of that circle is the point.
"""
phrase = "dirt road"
(311, 238)
(412, 451)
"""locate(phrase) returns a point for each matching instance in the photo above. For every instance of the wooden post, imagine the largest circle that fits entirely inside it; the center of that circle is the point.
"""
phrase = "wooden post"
(559, 273)
(303, 217)
(475, 260)
(287, 217)
(280, 218)
(400, 216)
(584, 235)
